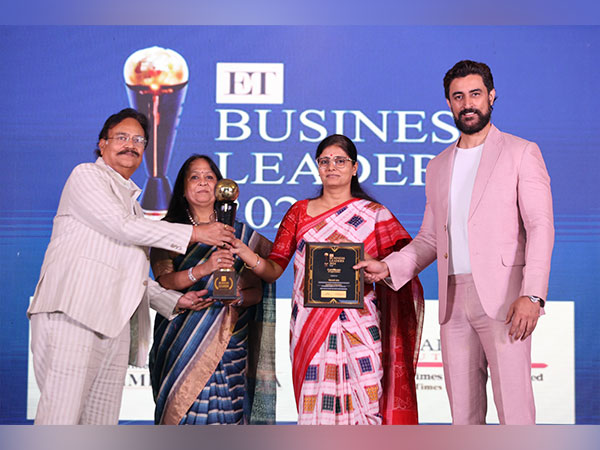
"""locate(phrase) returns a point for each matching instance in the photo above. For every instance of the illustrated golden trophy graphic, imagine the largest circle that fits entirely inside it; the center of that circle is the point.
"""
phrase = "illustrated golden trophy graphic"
(157, 79)
(225, 280)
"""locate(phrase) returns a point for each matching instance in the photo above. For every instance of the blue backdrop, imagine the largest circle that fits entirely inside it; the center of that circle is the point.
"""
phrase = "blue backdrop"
(381, 86)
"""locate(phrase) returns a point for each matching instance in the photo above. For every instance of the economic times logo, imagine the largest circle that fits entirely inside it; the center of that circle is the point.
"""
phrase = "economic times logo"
(250, 83)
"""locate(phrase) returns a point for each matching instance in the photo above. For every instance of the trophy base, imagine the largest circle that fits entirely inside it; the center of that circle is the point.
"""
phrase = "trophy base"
(156, 195)
(225, 284)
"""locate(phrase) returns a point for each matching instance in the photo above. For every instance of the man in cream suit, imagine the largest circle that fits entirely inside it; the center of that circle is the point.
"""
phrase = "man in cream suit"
(94, 286)
(488, 222)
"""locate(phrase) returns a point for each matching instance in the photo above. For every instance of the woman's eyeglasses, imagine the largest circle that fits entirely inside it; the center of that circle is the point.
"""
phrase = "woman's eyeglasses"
(339, 162)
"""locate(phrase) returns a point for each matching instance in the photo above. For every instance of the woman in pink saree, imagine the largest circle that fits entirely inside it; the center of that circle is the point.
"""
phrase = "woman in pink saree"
(350, 366)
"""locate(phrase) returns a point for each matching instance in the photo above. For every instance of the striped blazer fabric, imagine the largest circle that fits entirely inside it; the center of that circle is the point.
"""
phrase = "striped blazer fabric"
(96, 267)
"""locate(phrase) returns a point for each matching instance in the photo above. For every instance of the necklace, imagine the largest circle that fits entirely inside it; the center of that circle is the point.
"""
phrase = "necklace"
(210, 219)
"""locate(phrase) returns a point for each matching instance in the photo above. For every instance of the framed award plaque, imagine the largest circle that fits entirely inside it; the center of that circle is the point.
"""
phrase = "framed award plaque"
(329, 279)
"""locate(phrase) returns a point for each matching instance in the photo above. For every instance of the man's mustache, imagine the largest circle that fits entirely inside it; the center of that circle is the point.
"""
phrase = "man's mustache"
(129, 150)
(468, 111)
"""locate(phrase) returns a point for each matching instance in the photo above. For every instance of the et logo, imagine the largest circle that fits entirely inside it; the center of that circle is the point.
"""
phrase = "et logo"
(250, 83)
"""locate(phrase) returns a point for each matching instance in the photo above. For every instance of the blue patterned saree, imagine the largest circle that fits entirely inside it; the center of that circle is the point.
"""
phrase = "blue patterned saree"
(216, 365)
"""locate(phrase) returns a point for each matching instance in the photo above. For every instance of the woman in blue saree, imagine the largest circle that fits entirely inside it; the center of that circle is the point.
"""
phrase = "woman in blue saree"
(215, 365)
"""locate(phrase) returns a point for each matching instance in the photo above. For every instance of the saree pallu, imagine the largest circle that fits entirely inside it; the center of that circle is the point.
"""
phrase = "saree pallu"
(353, 366)
(216, 365)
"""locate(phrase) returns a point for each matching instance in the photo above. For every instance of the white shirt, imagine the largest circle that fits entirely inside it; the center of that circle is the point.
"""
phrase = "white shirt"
(466, 163)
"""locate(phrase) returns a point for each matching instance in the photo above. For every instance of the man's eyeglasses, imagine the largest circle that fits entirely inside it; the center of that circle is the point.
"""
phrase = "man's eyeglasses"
(138, 141)
(339, 162)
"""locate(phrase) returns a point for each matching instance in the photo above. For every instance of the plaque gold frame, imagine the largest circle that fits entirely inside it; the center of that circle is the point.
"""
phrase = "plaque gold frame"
(329, 279)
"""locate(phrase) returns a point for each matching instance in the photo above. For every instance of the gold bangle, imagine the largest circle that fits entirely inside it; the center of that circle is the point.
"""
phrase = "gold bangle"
(255, 265)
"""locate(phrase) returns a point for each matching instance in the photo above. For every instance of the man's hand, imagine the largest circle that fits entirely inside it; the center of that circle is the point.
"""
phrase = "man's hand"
(374, 270)
(194, 300)
(215, 233)
(524, 315)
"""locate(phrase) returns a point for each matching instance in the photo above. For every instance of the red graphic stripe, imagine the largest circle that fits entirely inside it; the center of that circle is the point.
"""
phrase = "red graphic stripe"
(429, 364)
(439, 364)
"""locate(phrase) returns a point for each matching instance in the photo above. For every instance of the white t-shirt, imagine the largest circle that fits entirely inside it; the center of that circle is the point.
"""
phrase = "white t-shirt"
(464, 171)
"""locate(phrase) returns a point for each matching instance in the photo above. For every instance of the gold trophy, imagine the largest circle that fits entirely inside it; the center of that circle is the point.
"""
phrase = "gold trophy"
(225, 280)
(157, 81)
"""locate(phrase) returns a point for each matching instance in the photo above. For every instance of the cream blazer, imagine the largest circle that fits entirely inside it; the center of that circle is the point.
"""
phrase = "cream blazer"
(96, 266)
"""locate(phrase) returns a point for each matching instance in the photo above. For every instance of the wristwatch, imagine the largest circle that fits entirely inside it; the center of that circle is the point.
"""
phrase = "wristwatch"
(535, 299)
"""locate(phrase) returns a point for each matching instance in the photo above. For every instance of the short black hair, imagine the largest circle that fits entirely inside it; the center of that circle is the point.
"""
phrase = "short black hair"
(119, 117)
(467, 67)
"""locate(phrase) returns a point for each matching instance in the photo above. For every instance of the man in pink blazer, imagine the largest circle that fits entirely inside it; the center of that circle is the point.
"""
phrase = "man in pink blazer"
(94, 287)
(488, 222)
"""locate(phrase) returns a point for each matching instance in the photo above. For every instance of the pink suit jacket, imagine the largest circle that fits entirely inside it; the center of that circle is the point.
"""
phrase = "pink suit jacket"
(511, 226)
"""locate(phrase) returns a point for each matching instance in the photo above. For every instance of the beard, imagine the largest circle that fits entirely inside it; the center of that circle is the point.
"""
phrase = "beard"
(476, 125)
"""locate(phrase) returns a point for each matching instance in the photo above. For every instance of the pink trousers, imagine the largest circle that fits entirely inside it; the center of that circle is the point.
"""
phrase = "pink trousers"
(472, 342)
